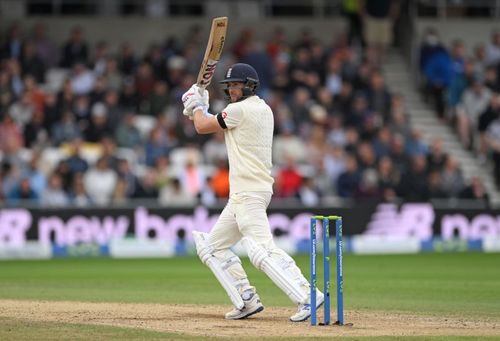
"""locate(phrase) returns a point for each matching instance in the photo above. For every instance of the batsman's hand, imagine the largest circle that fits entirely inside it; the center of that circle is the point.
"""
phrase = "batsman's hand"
(196, 98)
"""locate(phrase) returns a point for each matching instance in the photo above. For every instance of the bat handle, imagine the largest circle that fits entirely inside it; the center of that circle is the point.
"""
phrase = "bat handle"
(201, 87)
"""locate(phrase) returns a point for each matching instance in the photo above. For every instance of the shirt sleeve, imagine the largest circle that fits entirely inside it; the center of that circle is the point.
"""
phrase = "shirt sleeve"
(230, 117)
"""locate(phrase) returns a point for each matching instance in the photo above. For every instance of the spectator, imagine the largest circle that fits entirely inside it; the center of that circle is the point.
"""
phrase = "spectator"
(127, 134)
(288, 180)
(301, 71)
(112, 75)
(333, 81)
(436, 158)
(308, 193)
(491, 79)
(476, 191)
(484, 121)
(388, 178)
(82, 79)
(6, 93)
(21, 111)
(133, 186)
(459, 83)
(175, 195)
(480, 62)
(358, 112)
(368, 188)
(451, 178)
(15, 74)
(316, 146)
(129, 99)
(352, 9)
(63, 171)
(333, 165)
(414, 182)
(158, 101)
(398, 122)
(156, 146)
(31, 63)
(76, 163)
(348, 182)
(415, 144)
(75, 50)
(378, 19)
(114, 111)
(300, 106)
(35, 133)
(12, 48)
(214, 150)
(98, 90)
(161, 171)
(382, 142)
(430, 46)
(438, 74)
(37, 179)
(493, 49)
(436, 189)
(336, 131)
(257, 57)
(342, 102)
(379, 98)
(45, 49)
(147, 188)
(119, 196)
(10, 134)
(54, 195)
(398, 155)
(52, 112)
(98, 63)
(192, 178)
(98, 127)
(65, 97)
(100, 182)
(78, 195)
(127, 62)
(219, 183)
(23, 191)
(474, 102)
(65, 130)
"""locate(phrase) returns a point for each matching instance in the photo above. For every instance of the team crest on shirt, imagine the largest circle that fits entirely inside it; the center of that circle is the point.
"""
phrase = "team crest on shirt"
(224, 115)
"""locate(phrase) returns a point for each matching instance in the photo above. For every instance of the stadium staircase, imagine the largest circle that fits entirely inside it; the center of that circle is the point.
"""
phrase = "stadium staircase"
(400, 79)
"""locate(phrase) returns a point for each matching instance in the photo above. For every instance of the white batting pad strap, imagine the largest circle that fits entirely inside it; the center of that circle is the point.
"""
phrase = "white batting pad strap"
(261, 259)
(206, 256)
(229, 262)
(288, 264)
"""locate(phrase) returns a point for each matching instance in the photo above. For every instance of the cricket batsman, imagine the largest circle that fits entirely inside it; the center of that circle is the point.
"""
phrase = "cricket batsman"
(248, 125)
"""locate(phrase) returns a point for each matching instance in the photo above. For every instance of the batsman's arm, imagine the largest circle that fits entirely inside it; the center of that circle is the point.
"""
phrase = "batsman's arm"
(206, 123)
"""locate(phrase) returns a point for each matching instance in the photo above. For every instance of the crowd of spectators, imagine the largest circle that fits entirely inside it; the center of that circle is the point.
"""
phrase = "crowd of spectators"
(465, 90)
(111, 129)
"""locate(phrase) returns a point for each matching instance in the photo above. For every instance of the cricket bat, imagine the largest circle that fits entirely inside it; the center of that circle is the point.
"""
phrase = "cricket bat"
(213, 52)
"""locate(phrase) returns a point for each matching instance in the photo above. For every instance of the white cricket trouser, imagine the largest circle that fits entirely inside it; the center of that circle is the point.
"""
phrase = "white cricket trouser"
(245, 216)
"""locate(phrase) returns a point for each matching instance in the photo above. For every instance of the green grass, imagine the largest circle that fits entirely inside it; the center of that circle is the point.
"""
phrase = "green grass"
(452, 284)
(467, 284)
(17, 330)
(12, 329)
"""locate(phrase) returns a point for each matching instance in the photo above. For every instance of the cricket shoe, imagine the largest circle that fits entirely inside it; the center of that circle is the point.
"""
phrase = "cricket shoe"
(304, 310)
(252, 306)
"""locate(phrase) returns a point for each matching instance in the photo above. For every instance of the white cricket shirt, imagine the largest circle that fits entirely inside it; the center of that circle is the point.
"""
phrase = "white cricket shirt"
(249, 126)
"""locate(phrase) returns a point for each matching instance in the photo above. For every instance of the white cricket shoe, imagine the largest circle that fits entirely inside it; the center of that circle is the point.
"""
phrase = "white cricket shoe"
(304, 310)
(252, 306)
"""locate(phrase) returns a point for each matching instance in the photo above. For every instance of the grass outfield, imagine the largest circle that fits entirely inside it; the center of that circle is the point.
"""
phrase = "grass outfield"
(466, 285)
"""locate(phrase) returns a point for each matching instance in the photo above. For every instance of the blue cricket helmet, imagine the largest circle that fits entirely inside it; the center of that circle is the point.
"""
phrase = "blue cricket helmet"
(245, 74)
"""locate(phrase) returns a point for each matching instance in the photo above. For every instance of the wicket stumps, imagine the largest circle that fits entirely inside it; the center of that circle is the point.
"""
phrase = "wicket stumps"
(326, 268)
